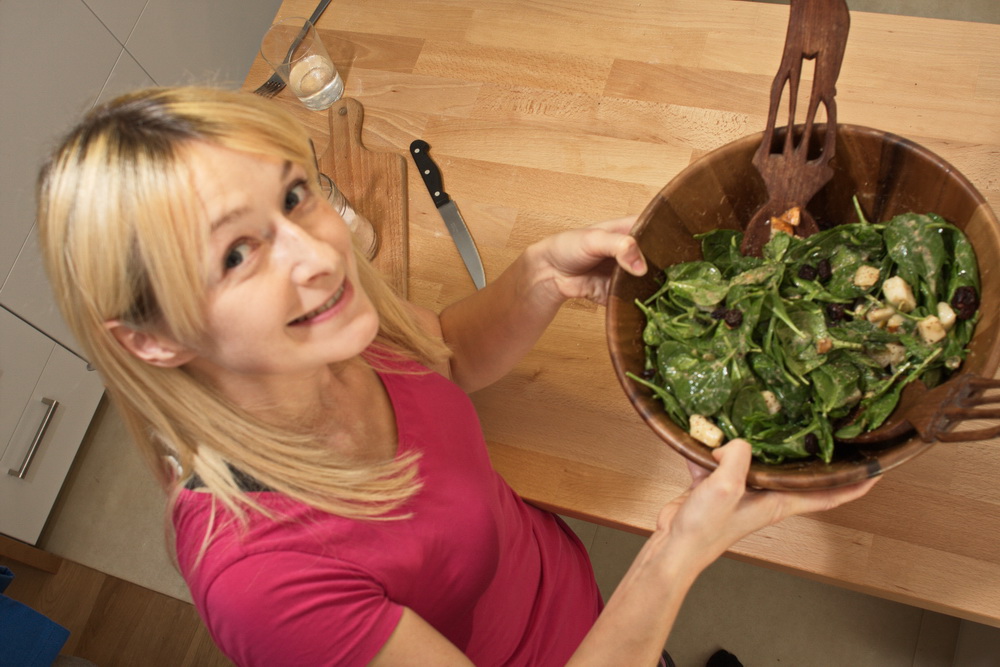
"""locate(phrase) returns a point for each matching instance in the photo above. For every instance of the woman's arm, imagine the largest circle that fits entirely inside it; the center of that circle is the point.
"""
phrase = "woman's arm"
(414, 643)
(692, 531)
(491, 330)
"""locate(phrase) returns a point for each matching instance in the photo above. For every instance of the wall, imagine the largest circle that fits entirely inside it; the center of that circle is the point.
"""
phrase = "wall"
(60, 57)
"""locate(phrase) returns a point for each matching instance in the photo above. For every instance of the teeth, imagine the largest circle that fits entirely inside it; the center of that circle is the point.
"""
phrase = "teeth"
(323, 308)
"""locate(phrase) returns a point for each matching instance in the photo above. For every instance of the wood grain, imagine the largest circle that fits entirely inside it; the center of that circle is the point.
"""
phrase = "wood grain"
(375, 185)
(546, 116)
(25, 553)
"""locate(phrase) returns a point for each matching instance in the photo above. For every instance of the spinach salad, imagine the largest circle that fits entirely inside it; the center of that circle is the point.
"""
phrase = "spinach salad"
(814, 341)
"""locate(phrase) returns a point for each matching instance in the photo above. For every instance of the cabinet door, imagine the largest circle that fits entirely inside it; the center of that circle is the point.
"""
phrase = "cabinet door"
(23, 353)
(60, 403)
(27, 293)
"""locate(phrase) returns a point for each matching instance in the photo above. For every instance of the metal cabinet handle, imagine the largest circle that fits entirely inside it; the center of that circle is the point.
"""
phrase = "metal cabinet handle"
(39, 434)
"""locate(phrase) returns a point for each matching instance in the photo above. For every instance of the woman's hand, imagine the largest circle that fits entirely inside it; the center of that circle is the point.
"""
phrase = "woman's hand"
(493, 328)
(719, 510)
(577, 264)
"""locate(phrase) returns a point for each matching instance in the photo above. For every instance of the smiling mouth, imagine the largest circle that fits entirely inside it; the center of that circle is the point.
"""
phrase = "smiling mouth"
(330, 303)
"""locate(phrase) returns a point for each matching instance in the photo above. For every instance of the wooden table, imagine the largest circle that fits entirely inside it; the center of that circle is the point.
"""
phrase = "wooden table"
(546, 116)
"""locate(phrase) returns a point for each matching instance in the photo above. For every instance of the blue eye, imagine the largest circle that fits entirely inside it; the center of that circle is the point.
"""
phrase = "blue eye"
(237, 255)
(295, 196)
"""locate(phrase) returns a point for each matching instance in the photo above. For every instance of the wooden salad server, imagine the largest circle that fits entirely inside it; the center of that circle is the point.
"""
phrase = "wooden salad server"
(933, 412)
(817, 30)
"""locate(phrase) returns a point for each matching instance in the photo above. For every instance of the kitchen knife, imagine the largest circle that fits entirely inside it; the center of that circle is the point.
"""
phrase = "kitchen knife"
(431, 175)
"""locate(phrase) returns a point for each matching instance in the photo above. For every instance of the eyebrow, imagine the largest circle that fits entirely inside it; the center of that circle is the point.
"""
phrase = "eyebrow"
(239, 211)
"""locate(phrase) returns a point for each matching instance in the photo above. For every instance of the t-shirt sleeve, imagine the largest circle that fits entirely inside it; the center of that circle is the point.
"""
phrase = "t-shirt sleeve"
(291, 608)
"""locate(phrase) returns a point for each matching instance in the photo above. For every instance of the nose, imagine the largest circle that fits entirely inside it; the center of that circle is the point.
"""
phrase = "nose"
(306, 256)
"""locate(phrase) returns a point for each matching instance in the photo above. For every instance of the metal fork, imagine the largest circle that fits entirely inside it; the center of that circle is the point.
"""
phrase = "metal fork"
(275, 83)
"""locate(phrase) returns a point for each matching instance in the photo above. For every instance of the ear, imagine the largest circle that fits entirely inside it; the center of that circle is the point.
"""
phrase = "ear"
(153, 348)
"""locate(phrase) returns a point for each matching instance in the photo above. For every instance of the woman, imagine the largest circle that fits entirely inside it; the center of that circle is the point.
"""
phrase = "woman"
(332, 497)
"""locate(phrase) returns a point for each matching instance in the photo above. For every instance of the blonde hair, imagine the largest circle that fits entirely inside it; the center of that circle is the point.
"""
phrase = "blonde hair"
(117, 220)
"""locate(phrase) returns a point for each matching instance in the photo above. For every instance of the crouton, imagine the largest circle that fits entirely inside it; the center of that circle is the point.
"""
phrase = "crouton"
(946, 314)
(779, 225)
(892, 354)
(880, 315)
(931, 330)
(787, 222)
(773, 404)
(895, 323)
(866, 276)
(898, 293)
(704, 431)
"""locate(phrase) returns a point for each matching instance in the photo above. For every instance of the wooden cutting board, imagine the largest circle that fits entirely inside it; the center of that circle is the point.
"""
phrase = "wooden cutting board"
(374, 182)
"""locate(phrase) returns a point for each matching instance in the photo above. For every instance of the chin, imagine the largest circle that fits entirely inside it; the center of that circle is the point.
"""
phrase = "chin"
(367, 326)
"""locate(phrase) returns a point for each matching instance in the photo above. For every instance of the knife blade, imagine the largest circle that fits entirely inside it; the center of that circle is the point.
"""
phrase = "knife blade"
(431, 175)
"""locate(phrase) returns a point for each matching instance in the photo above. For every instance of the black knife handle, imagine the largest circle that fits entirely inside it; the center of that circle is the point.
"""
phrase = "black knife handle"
(421, 152)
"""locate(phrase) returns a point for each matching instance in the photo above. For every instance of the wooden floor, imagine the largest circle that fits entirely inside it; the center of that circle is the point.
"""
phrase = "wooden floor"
(114, 622)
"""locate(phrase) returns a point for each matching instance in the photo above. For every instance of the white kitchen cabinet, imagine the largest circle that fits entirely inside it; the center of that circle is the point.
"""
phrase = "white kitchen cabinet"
(47, 399)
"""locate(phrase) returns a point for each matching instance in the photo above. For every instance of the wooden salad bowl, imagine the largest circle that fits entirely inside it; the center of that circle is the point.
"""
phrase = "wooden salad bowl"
(890, 175)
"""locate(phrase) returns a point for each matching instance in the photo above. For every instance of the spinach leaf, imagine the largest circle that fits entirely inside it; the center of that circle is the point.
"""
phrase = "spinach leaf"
(662, 326)
(697, 283)
(915, 244)
(701, 385)
(748, 406)
(671, 405)
(721, 247)
(836, 385)
(801, 346)
(792, 394)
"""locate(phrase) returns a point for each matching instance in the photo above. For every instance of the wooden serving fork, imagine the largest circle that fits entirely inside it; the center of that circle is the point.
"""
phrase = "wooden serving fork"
(817, 30)
(933, 412)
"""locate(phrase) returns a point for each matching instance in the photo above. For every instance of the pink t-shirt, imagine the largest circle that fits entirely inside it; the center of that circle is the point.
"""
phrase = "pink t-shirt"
(505, 582)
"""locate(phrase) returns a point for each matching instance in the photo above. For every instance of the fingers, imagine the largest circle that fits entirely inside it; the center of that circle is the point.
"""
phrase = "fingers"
(736, 466)
(625, 250)
(582, 250)
(734, 463)
(630, 257)
(734, 459)
(698, 473)
(780, 505)
(618, 225)
(737, 448)
(821, 501)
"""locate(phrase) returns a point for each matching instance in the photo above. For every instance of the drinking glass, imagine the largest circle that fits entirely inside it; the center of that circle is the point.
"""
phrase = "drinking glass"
(293, 48)
(361, 229)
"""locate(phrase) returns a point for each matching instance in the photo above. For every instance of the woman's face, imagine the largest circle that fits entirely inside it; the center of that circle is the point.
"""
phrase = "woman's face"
(284, 298)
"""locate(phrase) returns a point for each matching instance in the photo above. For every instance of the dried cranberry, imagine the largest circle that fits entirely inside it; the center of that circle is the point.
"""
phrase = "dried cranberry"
(824, 269)
(965, 302)
(733, 318)
(835, 312)
(719, 313)
(812, 444)
(807, 272)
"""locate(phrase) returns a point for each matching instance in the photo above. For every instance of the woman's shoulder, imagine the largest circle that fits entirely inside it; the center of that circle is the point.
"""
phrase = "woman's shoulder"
(208, 535)
(288, 606)
(397, 367)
